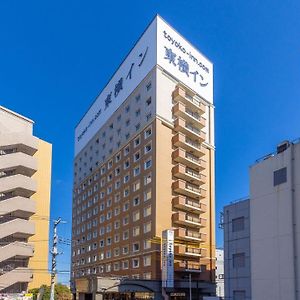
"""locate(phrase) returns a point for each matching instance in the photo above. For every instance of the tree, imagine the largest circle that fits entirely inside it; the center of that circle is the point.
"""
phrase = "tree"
(61, 292)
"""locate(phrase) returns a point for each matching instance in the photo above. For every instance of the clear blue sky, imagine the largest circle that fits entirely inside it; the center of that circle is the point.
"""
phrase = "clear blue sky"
(55, 57)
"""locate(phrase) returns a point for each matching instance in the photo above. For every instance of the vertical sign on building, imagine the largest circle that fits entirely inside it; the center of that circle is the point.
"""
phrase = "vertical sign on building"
(167, 258)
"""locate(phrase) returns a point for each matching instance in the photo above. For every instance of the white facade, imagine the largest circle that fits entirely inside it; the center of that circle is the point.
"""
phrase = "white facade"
(275, 225)
(160, 46)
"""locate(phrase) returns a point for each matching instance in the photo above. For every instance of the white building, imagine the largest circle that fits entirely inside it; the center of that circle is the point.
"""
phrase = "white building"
(274, 245)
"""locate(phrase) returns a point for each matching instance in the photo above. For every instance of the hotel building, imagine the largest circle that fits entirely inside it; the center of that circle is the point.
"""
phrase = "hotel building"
(25, 176)
(144, 163)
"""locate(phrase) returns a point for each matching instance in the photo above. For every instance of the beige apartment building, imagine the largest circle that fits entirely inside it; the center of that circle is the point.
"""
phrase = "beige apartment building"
(25, 177)
(144, 163)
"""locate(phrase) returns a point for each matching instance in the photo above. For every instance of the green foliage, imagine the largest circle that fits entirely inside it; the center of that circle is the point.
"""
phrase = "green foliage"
(61, 292)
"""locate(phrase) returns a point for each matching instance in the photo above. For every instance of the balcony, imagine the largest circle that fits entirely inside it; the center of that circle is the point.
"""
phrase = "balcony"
(16, 275)
(191, 102)
(21, 142)
(187, 204)
(189, 130)
(189, 251)
(21, 184)
(23, 163)
(185, 219)
(18, 207)
(180, 110)
(188, 189)
(187, 266)
(189, 235)
(180, 140)
(188, 174)
(17, 228)
(16, 249)
(188, 159)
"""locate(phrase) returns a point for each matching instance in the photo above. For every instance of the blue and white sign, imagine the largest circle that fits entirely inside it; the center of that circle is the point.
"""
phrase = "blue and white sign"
(167, 258)
(159, 45)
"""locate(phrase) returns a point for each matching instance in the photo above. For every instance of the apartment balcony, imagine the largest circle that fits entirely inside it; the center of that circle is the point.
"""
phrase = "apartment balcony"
(19, 142)
(189, 130)
(188, 159)
(188, 174)
(189, 235)
(191, 102)
(188, 189)
(16, 249)
(180, 140)
(21, 184)
(21, 162)
(17, 228)
(16, 275)
(186, 266)
(18, 206)
(180, 110)
(186, 219)
(188, 204)
(189, 251)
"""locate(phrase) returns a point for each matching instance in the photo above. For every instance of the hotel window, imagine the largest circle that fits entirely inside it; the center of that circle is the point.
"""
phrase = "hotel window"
(102, 170)
(126, 150)
(147, 227)
(126, 206)
(136, 186)
(136, 247)
(125, 235)
(101, 256)
(108, 254)
(108, 203)
(127, 136)
(148, 148)
(126, 164)
(109, 215)
(148, 101)
(108, 268)
(148, 117)
(125, 264)
(109, 190)
(108, 228)
(135, 262)
(111, 126)
(147, 211)
(117, 210)
(137, 126)
(108, 241)
(117, 198)
(136, 216)
(147, 163)
(102, 219)
(126, 178)
(101, 244)
(101, 231)
(136, 231)
(147, 244)
(137, 112)
(116, 251)
(136, 171)
(117, 171)
(136, 201)
(109, 177)
(103, 146)
(147, 260)
(126, 192)
(147, 179)
(137, 141)
(103, 134)
(117, 224)
(138, 98)
(118, 157)
(148, 132)
(117, 238)
(119, 118)
(147, 195)
(148, 86)
(119, 131)
(110, 139)
(102, 182)
(117, 184)
(127, 122)
(127, 108)
(126, 220)
(116, 266)
(137, 156)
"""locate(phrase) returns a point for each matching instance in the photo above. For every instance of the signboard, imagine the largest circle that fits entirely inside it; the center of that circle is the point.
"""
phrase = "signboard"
(160, 45)
(167, 258)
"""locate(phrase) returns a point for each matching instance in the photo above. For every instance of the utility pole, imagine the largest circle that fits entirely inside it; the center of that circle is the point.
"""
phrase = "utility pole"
(54, 253)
